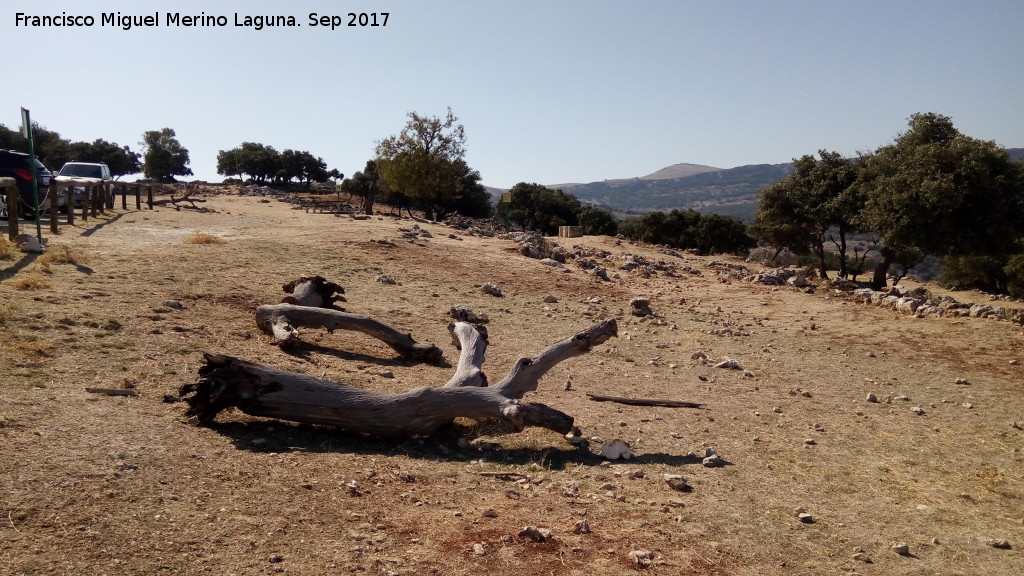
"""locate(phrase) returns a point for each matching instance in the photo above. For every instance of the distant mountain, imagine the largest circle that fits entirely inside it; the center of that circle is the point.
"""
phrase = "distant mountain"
(679, 171)
(1016, 153)
(734, 191)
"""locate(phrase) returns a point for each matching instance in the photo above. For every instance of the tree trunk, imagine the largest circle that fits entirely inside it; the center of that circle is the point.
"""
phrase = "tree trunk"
(878, 281)
(313, 291)
(819, 251)
(264, 391)
(368, 204)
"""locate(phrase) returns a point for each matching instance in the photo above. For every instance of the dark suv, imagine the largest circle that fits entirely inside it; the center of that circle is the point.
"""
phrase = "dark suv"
(16, 165)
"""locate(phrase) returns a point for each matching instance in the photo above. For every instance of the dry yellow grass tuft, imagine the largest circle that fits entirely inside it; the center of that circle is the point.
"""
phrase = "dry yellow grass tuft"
(34, 280)
(62, 254)
(8, 250)
(203, 238)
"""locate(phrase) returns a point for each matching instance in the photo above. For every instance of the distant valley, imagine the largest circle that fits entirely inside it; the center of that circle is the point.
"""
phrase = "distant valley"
(732, 191)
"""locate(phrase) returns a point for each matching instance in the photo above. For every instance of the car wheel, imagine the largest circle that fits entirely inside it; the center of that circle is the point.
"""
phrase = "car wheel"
(3, 207)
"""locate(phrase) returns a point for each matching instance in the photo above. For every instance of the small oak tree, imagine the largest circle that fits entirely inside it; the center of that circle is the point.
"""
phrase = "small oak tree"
(164, 156)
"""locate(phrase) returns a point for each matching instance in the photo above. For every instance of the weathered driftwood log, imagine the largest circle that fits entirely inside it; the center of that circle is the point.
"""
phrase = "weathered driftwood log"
(314, 291)
(263, 391)
(283, 320)
(186, 197)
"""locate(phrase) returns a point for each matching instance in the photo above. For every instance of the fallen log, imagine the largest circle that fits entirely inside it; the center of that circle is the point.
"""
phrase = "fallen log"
(282, 321)
(264, 391)
(644, 401)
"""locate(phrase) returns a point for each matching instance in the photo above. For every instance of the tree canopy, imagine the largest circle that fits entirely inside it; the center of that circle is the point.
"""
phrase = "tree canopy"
(935, 191)
(53, 150)
(265, 164)
(164, 156)
(932, 192)
(425, 161)
(816, 204)
(536, 207)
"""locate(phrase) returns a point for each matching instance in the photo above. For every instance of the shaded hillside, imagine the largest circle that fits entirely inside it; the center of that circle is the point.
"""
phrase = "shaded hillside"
(734, 191)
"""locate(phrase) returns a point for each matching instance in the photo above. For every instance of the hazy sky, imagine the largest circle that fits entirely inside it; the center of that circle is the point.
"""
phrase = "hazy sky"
(549, 91)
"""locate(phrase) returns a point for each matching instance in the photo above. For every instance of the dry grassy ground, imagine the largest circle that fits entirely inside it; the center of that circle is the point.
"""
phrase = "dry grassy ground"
(93, 484)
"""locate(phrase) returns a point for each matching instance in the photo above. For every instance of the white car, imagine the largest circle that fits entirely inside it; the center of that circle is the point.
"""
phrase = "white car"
(82, 174)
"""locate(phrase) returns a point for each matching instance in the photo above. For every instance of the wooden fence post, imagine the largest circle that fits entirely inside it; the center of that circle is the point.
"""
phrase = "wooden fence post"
(85, 202)
(71, 204)
(52, 194)
(138, 196)
(124, 196)
(13, 198)
(149, 196)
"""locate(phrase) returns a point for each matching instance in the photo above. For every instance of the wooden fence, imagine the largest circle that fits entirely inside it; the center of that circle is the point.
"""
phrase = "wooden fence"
(98, 199)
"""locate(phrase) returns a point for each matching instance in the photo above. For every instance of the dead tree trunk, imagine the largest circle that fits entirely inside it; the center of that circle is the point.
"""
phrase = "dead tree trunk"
(314, 291)
(283, 320)
(264, 391)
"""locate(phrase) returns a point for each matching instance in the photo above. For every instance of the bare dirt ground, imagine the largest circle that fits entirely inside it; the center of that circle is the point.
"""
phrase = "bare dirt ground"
(95, 484)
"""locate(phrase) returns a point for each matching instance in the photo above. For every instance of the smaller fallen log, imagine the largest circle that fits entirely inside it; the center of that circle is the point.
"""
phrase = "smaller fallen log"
(282, 321)
(112, 391)
(644, 401)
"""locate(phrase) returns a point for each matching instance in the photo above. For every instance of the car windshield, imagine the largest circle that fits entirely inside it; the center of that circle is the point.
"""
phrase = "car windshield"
(82, 171)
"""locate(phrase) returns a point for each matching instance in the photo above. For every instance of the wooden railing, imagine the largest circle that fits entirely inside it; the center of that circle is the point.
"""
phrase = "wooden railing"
(97, 200)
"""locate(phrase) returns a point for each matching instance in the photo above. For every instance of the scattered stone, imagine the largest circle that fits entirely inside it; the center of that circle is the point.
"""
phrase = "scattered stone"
(478, 549)
(872, 398)
(489, 513)
(805, 518)
(550, 299)
(581, 527)
(1001, 544)
(492, 289)
(174, 305)
(862, 557)
(616, 449)
(385, 279)
(642, 558)
(276, 559)
(810, 442)
(535, 534)
(29, 244)
(713, 461)
(777, 410)
(963, 382)
(730, 364)
(640, 307)
(552, 262)
(917, 410)
(901, 548)
(678, 482)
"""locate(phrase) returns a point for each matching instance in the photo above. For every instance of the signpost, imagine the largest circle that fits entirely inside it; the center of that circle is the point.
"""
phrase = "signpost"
(26, 131)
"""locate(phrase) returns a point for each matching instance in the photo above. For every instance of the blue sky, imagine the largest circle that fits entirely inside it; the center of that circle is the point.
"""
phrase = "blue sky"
(549, 91)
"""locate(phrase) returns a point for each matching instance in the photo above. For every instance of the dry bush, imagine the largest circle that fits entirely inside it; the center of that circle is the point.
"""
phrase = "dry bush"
(62, 254)
(33, 280)
(203, 238)
(8, 250)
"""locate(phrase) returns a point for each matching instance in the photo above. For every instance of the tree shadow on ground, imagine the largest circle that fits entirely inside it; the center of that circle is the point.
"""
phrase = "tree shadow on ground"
(305, 351)
(444, 446)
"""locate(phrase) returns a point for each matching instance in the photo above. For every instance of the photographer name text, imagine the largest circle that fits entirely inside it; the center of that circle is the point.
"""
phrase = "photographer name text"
(201, 20)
